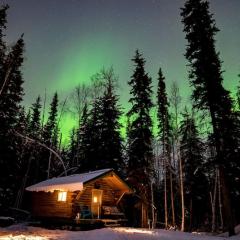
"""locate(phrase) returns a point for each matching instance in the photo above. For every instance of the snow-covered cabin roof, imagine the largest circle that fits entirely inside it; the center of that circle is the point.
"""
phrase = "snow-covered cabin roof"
(68, 183)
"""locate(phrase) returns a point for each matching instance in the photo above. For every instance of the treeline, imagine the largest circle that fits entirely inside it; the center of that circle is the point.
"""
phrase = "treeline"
(190, 178)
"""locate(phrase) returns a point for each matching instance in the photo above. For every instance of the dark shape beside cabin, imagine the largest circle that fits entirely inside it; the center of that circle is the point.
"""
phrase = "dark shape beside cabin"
(99, 195)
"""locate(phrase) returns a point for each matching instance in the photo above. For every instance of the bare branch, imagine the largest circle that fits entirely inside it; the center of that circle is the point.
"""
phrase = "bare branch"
(44, 146)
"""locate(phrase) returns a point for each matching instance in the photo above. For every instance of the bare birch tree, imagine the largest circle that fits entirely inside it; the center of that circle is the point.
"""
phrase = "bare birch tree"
(175, 101)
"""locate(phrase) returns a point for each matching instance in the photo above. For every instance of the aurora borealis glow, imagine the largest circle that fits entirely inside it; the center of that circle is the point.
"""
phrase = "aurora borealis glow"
(67, 41)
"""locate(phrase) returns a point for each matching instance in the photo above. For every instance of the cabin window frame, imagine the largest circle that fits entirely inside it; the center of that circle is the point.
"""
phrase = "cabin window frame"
(62, 196)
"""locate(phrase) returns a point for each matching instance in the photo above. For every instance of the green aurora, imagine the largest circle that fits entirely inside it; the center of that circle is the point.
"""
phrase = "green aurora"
(67, 42)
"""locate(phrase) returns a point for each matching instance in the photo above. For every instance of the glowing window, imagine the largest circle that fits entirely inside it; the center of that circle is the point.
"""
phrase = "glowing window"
(62, 196)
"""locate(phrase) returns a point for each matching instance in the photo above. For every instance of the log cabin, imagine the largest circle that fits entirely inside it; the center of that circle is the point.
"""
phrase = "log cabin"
(98, 195)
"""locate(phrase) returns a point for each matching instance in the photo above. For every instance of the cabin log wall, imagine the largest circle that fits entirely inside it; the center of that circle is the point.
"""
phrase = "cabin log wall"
(109, 197)
(46, 204)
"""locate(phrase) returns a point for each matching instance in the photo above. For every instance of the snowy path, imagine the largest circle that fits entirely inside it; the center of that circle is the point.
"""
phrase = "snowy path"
(18, 232)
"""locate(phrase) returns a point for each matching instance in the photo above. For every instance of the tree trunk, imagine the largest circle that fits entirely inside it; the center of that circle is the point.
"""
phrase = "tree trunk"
(220, 200)
(220, 163)
(49, 165)
(191, 214)
(21, 191)
(213, 200)
(172, 199)
(182, 195)
(6, 78)
(153, 215)
(226, 202)
(165, 195)
(43, 111)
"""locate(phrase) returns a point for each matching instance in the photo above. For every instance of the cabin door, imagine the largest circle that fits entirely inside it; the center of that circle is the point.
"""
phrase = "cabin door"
(96, 202)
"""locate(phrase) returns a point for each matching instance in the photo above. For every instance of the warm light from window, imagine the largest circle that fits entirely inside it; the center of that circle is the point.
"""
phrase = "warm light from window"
(95, 200)
(62, 196)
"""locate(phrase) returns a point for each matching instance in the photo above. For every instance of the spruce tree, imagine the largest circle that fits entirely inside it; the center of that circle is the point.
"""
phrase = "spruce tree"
(235, 162)
(163, 115)
(140, 152)
(50, 139)
(208, 92)
(89, 133)
(91, 139)
(33, 152)
(82, 140)
(100, 143)
(11, 93)
(10, 109)
(51, 124)
(237, 115)
(23, 122)
(110, 139)
(72, 150)
(35, 122)
(195, 182)
(24, 150)
(165, 140)
(238, 95)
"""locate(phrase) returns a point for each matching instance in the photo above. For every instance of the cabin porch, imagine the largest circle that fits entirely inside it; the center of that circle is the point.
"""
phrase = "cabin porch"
(77, 224)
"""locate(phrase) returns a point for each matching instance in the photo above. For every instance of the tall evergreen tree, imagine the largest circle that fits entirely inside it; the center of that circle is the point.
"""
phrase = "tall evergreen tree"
(195, 182)
(23, 122)
(50, 139)
(71, 150)
(35, 122)
(11, 93)
(32, 152)
(90, 128)
(24, 151)
(237, 115)
(140, 152)
(51, 124)
(90, 142)
(99, 136)
(10, 108)
(209, 93)
(163, 115)
(81, 142)
(165, 139)
(110, 139)
(238, 95)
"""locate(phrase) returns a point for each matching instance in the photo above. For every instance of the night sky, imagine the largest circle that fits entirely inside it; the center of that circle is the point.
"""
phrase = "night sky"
(67, 41)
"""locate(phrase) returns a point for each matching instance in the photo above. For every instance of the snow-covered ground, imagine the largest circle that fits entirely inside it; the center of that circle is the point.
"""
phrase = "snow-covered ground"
(21, 232)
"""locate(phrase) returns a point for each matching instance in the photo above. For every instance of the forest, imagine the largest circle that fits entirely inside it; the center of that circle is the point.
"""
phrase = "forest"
(187, 168)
